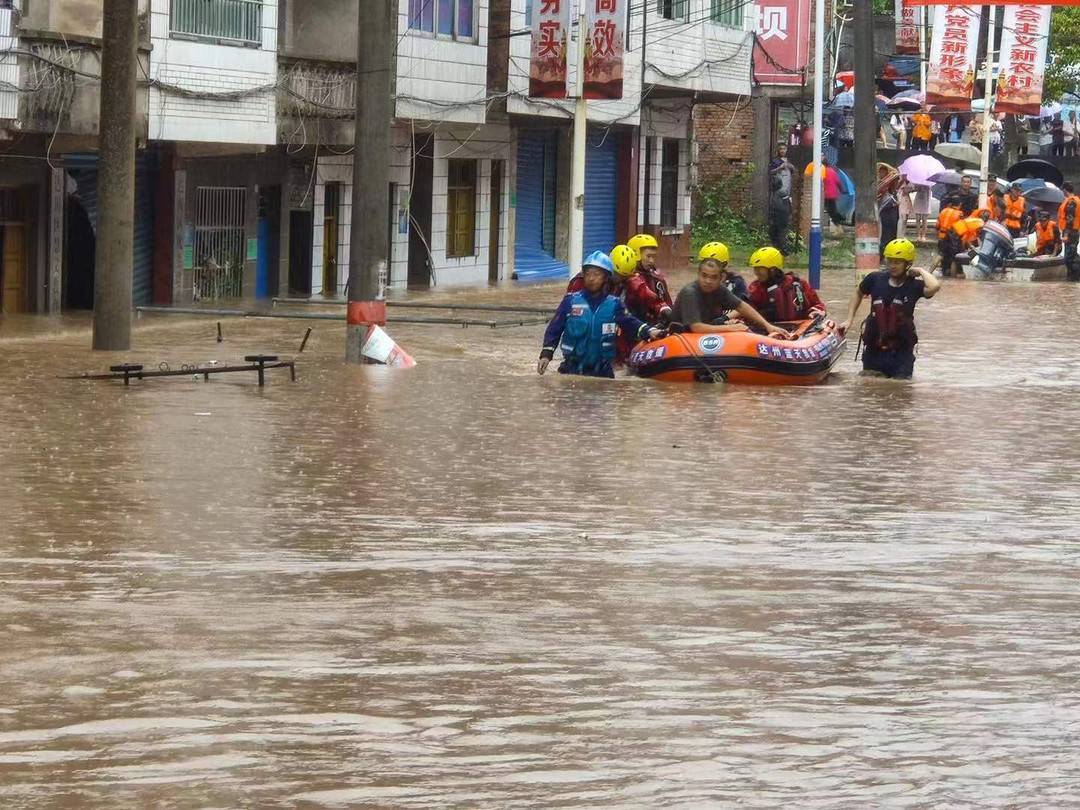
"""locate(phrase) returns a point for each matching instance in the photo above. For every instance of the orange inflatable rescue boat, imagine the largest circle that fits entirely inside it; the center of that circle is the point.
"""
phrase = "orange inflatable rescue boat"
(743, 357)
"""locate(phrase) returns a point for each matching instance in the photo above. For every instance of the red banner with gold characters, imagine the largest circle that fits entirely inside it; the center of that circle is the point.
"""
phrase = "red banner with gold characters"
(950, 75)
(606, 21)
(550, 37)
(1026, 30)
(907, 28)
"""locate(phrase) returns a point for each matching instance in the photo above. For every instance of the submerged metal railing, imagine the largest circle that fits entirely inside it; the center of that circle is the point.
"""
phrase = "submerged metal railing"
(216, 283)
(239, 20)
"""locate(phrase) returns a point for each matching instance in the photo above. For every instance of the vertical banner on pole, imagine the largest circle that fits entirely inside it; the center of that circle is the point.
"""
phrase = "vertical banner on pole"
(782, 44)
(907, 28)
(550, 39)
(951, 74)
(606, 20)
(1023, 59)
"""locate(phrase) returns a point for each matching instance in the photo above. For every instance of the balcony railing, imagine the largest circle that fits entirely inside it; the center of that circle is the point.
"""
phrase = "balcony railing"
(232, 20)
(312, 90)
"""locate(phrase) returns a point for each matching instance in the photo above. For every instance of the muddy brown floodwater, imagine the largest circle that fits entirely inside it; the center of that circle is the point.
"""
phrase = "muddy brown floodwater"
(468, 586)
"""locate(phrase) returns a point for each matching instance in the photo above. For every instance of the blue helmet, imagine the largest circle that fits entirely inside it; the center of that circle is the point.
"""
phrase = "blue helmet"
(599, 259)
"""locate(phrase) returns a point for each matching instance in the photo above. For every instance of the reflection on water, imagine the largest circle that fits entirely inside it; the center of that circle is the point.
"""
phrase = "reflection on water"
(465, 585)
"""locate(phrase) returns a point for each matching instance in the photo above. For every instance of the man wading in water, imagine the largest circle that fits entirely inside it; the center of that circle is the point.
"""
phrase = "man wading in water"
(888, 334)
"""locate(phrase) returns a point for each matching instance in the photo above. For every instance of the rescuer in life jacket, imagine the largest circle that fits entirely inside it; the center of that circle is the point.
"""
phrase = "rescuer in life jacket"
(718, 251)
(647, 296)
(1015, 211)
(1069, 225)
(1047, 235)
(777, 295)
(965, 232)
(704, 305)
(950, 214)
(888, 333)
(586, 324)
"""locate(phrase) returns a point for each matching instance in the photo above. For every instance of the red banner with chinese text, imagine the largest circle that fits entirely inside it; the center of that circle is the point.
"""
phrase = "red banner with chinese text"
(547, 60)
(1026, 30)
(606, 21)
(782, 45)
(998, 3)
(950, 75)
(907, 28)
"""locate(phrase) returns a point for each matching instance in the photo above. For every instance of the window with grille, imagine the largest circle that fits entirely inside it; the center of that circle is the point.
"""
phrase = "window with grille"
(228, 20)
(728, 13)
(451, 18)
(669, 183)
(461, 208)
(220, 240)
(673, 9)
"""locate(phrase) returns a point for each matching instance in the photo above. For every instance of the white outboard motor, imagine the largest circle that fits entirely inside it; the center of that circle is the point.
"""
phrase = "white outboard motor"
(995, 248)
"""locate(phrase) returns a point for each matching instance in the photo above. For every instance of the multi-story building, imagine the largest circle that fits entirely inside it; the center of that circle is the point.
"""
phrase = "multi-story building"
(245, 124)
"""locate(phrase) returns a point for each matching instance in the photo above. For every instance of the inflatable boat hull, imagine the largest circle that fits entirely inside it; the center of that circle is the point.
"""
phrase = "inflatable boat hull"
(742, 357)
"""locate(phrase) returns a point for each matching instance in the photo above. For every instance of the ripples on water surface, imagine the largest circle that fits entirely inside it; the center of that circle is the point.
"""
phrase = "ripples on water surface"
(466, 586)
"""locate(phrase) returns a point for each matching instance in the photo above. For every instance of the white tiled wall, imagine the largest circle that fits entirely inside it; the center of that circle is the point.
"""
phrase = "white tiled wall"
(659, 121)
(212, 68)
(451, 142)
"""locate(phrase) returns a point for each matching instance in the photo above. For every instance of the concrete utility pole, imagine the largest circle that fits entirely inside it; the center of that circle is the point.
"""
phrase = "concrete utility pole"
(369, 239)
(817, 176)
(866, 132)
(116, 177)
(577, 161)
(988, 102)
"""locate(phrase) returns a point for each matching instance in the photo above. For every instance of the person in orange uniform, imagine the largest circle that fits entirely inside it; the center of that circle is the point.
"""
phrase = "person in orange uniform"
(949, 216)
(920, 132)
(647, 294)
(777, 295)
(1015, 209)
(1047, 235)
(965, 234)
(1069, 224)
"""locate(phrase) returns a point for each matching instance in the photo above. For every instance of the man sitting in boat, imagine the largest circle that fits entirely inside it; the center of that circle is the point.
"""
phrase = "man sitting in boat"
(1047, 235)
(780, 296)
(888, 333)
(703, 306)
(587, 322)
(648, 295)
(733, 281)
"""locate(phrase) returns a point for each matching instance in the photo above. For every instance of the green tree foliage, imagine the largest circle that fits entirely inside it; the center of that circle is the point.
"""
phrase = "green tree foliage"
(884, 7)
(1063, 76)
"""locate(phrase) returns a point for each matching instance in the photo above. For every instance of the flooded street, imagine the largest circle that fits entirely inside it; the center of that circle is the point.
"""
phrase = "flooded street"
(465, 585)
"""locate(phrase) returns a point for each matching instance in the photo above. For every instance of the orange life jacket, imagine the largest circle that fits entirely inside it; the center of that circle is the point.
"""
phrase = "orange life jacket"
(993, 207)
(968, 229)
(946, 219)
(1046, 236)
(1063, 222)
(1014, 212)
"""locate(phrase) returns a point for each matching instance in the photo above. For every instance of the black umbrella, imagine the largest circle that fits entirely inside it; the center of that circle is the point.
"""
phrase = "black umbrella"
(948, 178)
(1036, 167)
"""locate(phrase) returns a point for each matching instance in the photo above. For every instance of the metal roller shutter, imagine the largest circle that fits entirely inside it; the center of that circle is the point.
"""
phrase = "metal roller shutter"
(601, 178)
(534, 239)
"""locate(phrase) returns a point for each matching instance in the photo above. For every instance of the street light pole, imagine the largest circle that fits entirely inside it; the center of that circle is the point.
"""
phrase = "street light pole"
(577, 170)
(819, 101)
(988, 99)
(866, 132)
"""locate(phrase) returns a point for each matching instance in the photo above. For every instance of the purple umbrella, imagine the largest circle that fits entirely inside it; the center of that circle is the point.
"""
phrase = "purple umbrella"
(919, 169)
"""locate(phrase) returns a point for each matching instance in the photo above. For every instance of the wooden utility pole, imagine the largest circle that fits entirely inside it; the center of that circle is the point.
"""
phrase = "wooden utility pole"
(866, 133)
(116, 177)
(369, 237)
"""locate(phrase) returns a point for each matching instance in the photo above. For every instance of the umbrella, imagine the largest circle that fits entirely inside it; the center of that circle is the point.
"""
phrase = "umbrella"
(946, 178)
(918, 169)
(1036, 167)
(845, 99)
(963, 152)
(904, 104)
(1039, 191)
(1049, 110)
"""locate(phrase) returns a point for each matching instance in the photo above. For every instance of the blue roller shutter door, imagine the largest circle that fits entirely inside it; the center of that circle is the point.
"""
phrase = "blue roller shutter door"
(601, 179)
(534, 235)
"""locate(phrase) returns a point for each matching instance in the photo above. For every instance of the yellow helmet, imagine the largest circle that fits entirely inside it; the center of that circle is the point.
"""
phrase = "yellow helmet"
(643, 240)
(767, 257)
(900, 249)
(625, 259)
(716, 251)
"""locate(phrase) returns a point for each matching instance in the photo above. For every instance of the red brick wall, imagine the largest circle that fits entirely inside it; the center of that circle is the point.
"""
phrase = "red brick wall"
(724, 134)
